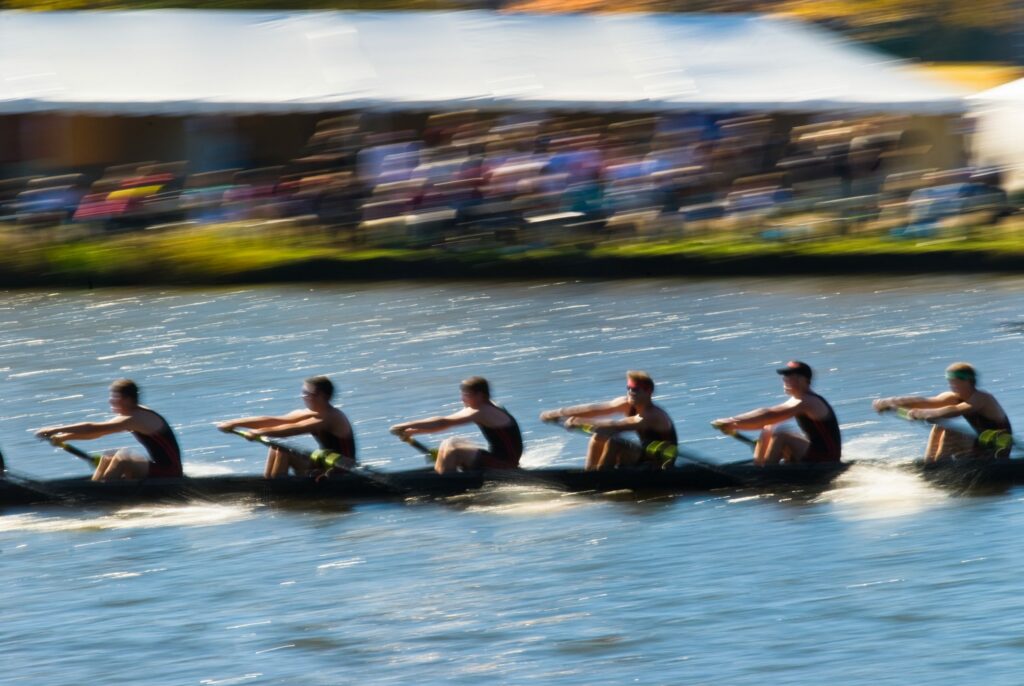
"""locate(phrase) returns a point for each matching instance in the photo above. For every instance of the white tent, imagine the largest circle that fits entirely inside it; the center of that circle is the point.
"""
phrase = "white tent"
(999, 131)
(194, 61)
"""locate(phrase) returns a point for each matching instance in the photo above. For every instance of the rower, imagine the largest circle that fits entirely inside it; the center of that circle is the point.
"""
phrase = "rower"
(964, 399)
(504, 440)
(326, 423)
(651, 423)
(821, 441)
(148, 428)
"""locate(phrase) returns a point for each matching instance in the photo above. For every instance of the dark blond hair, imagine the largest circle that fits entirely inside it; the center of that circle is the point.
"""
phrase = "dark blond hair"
(641, 379)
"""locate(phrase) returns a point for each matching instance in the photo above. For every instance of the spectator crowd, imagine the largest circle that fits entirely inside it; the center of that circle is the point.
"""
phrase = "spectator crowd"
(464, 177)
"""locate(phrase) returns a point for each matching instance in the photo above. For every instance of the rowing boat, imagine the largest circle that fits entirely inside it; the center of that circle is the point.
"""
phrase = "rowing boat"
(410, 483)
(960, 475)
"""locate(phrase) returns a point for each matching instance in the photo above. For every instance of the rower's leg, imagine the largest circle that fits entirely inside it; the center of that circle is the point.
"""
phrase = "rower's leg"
(626, 456)
(934, 447)
(609, 457)
(100, 473)
(763, 446)
(125, 464)
(300, 464)
(952, 444)
(277, 464)
(595, 452)
(788, 447)
(454, 455)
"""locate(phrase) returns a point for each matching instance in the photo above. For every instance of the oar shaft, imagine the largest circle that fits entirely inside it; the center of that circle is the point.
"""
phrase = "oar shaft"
(78, 452)
(429, 452)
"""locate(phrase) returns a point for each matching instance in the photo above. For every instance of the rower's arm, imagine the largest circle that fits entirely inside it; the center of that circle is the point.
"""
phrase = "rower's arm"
(944, 412)
(588, 410)
(435, 424)
(911, 402)
(759, 418)
(88, 430)
(616, 425)
(260, 422)
(291, 428)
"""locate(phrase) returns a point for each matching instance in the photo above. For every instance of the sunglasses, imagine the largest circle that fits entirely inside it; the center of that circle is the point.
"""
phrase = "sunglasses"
(635, 389)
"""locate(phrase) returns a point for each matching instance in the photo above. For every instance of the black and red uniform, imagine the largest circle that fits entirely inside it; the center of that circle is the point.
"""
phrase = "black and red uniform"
(823, 434)
(336, 444)
(504, 444)
(163, 450)
(980, 422)
(648, 436)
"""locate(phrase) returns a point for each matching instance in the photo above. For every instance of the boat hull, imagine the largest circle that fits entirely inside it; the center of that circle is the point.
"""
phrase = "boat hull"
(424, 483)
(411, 483)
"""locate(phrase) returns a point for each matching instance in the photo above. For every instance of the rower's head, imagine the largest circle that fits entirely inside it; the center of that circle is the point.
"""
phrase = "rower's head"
(124, 396)
(796, 377)
(475, 391)
(962, 378)
(317, 391)
(639, 387)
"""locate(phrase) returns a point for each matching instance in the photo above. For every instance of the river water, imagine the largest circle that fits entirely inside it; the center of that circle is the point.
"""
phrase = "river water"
(882, 579)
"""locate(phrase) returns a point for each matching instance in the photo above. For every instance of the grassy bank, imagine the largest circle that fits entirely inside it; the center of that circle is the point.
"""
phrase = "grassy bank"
(281, 253)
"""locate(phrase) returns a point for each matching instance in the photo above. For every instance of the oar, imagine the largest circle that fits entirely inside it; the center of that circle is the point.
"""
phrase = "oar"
(429, 453)
(742, 438)
(92, 459)
(78, 452)
(327, 458)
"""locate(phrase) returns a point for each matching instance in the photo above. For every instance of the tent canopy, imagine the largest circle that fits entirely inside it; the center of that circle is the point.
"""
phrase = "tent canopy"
(998, 140)
(195, 61)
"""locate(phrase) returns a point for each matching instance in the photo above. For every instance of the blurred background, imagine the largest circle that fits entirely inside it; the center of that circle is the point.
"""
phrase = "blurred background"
(515, 123)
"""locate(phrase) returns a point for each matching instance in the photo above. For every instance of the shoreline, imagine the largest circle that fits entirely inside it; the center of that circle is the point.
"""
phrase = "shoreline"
(216, 258)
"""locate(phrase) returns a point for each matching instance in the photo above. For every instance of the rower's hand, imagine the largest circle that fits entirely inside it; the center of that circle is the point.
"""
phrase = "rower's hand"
(918, 413)
(550, 416)
(725, 425)
(226, 427)
(401, 431)
(882, 405)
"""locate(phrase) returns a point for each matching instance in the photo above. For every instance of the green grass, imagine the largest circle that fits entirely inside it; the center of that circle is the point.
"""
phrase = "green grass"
(242, 253)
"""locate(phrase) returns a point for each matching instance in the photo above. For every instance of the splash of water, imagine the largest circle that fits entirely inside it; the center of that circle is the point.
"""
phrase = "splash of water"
(148, 517)
(879, 491)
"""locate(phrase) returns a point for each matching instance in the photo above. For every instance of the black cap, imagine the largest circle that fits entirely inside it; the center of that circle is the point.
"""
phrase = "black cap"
(795, 367)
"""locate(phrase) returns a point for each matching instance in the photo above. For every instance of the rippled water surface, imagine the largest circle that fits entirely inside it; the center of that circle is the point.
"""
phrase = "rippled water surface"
(881, 579)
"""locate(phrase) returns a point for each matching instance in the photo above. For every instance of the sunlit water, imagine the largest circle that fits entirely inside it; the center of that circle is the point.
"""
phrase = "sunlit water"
(881, 579)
